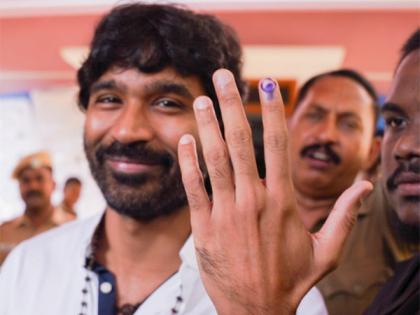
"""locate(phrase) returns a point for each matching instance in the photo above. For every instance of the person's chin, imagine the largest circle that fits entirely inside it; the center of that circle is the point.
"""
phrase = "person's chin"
(408, 210)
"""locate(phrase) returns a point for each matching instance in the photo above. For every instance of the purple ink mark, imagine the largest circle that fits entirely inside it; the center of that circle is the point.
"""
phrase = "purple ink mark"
(268, 86)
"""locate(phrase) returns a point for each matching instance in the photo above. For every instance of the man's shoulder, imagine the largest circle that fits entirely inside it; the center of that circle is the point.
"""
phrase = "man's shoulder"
(363, 266)
(371, 224)
(10, 223)
(65, 239)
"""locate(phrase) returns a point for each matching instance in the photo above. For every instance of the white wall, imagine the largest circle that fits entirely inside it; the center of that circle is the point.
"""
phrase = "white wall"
(44, 120)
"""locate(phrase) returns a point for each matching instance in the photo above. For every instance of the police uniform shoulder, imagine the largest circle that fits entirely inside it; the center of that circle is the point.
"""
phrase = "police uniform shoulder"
(11, 223)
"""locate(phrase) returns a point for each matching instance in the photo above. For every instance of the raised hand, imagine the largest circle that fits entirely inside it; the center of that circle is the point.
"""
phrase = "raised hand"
(255, 255)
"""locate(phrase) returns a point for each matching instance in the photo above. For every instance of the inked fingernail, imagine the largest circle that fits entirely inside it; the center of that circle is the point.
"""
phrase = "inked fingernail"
(268, 85)
(186, 139)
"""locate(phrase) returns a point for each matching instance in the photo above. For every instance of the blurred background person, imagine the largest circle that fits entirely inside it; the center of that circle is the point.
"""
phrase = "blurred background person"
(36, 185)
(332, 139)
(386, 232)
(65, 211)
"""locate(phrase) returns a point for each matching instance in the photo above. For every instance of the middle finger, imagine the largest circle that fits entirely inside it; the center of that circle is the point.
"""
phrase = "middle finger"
(238, 133)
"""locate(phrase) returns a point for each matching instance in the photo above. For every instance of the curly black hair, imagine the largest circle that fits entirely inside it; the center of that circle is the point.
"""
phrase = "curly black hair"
(150, 37)
(412, 44)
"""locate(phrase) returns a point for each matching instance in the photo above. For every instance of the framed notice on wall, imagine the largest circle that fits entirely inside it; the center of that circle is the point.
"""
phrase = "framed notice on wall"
(288, 91)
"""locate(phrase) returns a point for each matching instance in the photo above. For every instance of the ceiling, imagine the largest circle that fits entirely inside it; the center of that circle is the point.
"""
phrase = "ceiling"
(282, 38)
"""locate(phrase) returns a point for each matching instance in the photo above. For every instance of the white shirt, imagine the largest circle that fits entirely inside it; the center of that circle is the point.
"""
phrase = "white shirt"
(45, 276)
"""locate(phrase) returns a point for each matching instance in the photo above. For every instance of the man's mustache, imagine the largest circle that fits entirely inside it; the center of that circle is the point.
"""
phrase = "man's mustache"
(135, 152)
(33, 193)
(392, 180)
(327, 149)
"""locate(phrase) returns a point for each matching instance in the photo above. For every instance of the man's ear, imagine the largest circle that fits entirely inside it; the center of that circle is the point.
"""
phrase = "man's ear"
(374, 154)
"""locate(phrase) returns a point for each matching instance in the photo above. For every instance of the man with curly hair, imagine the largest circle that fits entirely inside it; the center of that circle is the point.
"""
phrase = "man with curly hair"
(146, 66)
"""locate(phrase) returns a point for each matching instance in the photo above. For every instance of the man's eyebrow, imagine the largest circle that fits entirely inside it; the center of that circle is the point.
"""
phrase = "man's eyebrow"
(167, 87)
(392, 107)
(350, 114)
(319, 107)
(104, 85)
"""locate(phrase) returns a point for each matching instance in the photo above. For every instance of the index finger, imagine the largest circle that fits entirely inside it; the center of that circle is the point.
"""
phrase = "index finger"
(275, 136)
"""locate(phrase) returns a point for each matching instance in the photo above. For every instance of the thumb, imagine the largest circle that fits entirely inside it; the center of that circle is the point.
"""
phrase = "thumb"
(340, 221)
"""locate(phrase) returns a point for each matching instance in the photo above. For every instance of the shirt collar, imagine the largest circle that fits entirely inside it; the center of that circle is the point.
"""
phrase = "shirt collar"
(187, 253)
(91, 228)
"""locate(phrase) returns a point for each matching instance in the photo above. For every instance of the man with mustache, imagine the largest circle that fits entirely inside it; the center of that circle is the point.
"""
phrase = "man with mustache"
(36, 185)
(333, 140)
(387, 227)
(147, 64)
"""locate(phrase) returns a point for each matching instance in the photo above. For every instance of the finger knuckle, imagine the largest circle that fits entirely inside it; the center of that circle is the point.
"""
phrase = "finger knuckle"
(276, 142)
(192, 181)
(194, 201)
(216, 156)
(273, 108)
(229, 99)
(239, 137)
(219, 172)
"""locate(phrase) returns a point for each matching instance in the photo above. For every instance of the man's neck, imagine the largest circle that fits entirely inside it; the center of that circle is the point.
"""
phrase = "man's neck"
(39, 216)
(67, 207)
(127, 239)
(134, 250)
(313, 209)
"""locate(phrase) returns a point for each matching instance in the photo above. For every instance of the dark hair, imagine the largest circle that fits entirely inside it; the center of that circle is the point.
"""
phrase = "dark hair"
(412, 43)
(346, 73)
(72, 180)
(150, 37)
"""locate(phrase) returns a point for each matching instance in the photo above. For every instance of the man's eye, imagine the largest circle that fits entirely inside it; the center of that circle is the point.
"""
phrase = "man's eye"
(395, 122)
(167, 103)
(314, 116)
(350, 125)
(108, 99)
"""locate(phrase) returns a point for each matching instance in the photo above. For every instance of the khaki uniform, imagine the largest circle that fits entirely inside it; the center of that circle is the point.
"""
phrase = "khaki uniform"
(368, 260)
(17, 230)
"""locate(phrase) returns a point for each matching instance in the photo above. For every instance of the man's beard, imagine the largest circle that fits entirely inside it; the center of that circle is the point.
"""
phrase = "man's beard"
(409, 234)
(144, 196)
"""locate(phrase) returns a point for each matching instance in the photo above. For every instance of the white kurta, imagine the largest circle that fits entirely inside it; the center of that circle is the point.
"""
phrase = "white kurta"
(45, 276)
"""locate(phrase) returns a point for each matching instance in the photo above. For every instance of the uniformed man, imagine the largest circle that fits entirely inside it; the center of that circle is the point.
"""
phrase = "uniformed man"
(36, 185)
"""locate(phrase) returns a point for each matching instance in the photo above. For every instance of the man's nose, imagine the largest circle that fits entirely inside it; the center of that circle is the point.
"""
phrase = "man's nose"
(132, 125)
(408, 145)
(327, 131)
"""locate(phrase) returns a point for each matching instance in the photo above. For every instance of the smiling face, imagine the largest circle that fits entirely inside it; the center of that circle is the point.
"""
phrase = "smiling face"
(401, 144)
(331, 136)
(133, 123)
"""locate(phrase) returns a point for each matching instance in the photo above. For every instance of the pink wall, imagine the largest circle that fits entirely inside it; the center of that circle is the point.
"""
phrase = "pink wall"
(372, 38)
